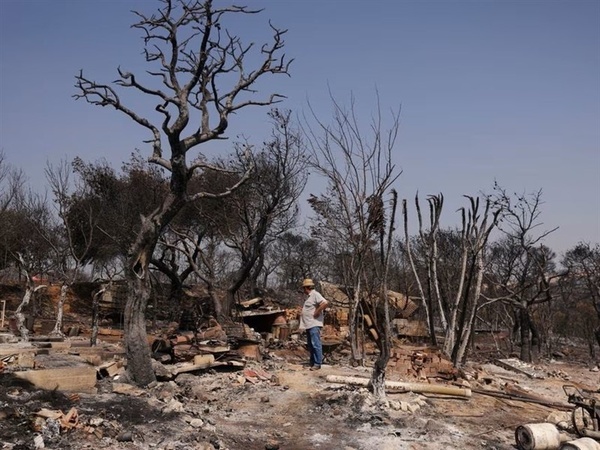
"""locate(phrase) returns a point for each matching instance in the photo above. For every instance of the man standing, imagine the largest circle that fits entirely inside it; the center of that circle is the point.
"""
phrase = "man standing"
(312, 320)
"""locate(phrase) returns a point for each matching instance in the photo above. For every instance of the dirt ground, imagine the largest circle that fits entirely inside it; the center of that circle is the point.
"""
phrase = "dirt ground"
(277, 403)
(286, 407)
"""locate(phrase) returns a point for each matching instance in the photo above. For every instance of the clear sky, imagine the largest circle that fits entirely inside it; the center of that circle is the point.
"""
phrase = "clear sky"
(489, 90)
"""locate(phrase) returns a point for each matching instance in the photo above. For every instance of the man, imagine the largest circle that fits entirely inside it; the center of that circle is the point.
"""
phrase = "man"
(312, 321)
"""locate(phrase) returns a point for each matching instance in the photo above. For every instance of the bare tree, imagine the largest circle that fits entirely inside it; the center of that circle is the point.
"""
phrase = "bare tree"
(382, 307)
(430, 290)
(11, 183)
(249, 220)
(521, 268)
(11, 192)
(70, 256)
(457, 300)
(476, 232)
(203, 79)
(30, 291)
(351, 215)
(267, 206)
(297, 257)
(583, 265)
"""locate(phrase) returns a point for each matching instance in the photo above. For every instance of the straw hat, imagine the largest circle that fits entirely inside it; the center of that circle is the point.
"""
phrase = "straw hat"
(308, 283)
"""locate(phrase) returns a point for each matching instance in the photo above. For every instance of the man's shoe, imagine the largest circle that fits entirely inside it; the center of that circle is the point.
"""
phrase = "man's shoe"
(315, 368)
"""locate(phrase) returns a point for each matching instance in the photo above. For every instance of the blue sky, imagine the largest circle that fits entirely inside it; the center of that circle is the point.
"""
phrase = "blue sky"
(489, 90)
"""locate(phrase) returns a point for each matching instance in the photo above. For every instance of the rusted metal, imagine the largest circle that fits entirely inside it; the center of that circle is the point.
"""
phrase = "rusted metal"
(586, 412)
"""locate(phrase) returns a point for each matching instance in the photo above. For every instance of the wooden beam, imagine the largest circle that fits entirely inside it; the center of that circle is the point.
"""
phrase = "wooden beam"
(405, 387)
(66, 379)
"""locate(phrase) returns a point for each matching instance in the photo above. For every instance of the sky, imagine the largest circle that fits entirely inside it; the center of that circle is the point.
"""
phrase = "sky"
(489, 91)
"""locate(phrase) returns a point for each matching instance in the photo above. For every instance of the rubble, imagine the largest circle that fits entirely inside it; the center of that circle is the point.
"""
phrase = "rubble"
(242, 385)
(519, 366)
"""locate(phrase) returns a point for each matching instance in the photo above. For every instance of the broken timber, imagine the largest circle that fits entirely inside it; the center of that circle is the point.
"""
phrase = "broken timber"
(523, 398)
(516, 365)
(69, 379)
(399, 386)
(202, 362)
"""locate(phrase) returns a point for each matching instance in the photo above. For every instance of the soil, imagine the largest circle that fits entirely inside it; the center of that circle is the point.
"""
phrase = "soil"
(288, 407)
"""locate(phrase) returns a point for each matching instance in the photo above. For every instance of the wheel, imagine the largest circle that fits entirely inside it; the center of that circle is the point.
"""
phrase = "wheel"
(583, 420)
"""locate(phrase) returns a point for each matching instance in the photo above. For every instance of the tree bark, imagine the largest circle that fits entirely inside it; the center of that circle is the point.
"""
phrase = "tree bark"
(139, 364)
(96, 315)
(385, 341)
(57, 331)
(468, 330)
(525, 353)
(20, 316)
(355, 347)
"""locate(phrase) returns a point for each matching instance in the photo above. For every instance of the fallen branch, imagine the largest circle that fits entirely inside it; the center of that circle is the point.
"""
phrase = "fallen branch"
(519, 398)
(398, 386)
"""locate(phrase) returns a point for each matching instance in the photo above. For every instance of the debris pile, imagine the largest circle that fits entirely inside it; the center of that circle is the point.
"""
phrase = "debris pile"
(421, 363)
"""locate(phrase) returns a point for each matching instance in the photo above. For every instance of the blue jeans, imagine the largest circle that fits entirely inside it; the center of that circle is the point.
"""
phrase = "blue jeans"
(313, 340)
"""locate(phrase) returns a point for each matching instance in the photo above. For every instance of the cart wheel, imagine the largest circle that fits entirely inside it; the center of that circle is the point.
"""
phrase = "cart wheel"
(582, 420)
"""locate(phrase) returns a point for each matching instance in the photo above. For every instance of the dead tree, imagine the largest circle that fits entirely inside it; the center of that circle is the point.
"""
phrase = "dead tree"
(522, 267)
(357, 167)
(476, 234)
(428, 240)
(384, 343)
(458, 311)
(69, 255)
(30, 290)
(11, 193)
(583, 265)
(202, 78)
(96, 312)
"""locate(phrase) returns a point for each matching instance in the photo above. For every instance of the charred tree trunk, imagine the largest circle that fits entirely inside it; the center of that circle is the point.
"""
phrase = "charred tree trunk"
(216, 302)
(174, 302)
(20, 316)
(96, 315)
(385, 338)
(428, 311)
(139, 364)
(353, 317)
(57, 331)
(30, 291)
(240, 278)
(467, 332)
(464, 307)
(524, 321)
(535, 340)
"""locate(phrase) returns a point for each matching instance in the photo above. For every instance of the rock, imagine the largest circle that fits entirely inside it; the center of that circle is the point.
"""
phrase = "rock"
(173, 406)
(196, 423)
(395, 405)
(96, 421)
(161, 371)
(272, 445)
(38, 442)
(204, 446)
(433, 426)
(125, 436)
(413, 407)
(8, 338)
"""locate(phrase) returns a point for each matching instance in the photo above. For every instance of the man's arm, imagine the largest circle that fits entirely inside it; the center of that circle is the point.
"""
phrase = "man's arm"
(320, 308)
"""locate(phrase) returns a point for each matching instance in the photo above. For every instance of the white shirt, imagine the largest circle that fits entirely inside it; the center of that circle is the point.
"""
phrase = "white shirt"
(307, 319)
